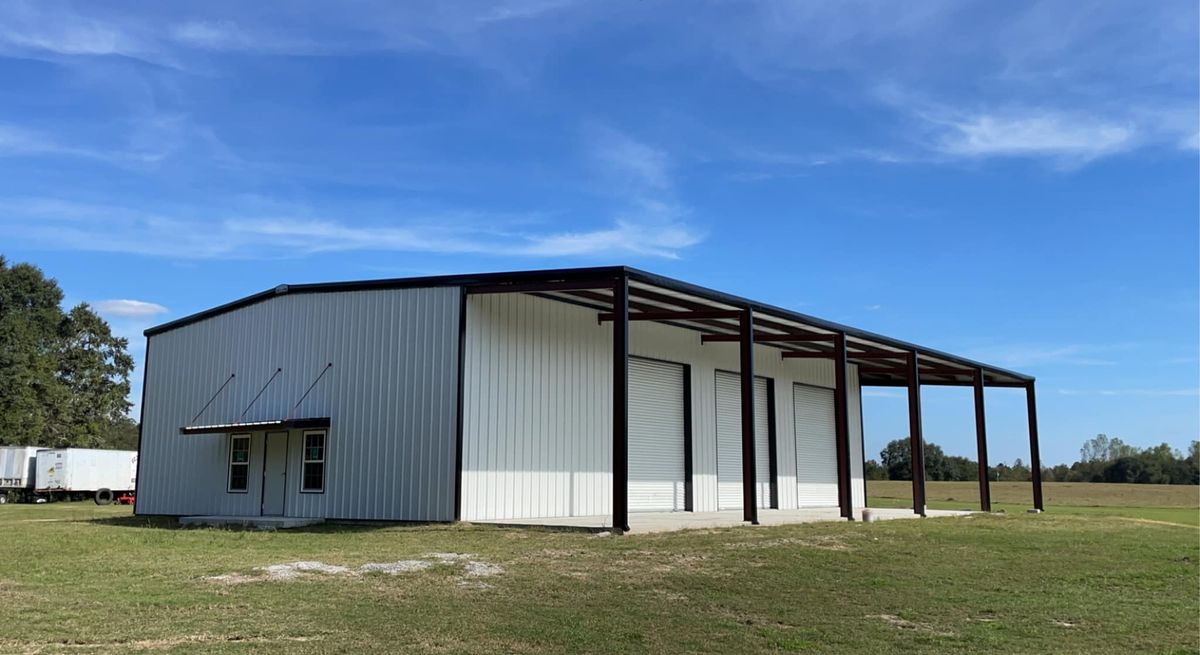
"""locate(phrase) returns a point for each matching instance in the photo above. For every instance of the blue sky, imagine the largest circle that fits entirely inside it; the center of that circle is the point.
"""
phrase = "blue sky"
(1016, 182)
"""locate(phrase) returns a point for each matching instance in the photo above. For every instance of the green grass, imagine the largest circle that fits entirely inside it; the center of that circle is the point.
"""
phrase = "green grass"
(1150, 502)
(77, 578)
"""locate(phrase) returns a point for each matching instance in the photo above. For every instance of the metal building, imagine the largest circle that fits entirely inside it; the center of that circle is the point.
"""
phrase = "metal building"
(590, 392)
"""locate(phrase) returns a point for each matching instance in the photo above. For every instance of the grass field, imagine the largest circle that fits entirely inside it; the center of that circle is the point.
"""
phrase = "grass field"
(1156, 502)
(81, 579)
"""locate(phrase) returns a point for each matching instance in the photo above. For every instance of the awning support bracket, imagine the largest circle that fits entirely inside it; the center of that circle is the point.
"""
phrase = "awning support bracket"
(259, 394)
(214, 397)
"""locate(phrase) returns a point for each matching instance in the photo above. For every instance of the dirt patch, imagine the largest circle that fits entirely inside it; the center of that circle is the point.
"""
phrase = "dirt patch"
(472, 567)
(12, 646)
(394, 568)
(819, 542)
(905, 624)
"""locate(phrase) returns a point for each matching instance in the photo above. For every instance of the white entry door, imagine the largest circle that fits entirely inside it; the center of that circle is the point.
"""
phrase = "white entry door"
(729, 441)
(274, 473)
(657, 479)
(816, 449)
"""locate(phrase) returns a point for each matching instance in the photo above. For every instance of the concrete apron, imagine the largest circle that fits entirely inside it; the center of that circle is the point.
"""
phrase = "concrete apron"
(646, 522)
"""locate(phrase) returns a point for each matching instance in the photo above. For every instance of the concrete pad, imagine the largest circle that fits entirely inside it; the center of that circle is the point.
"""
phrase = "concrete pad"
(256, 522)
(647, 522)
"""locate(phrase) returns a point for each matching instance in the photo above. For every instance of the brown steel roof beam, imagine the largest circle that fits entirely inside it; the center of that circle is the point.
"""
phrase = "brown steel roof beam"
(676, 316)
(764, 336)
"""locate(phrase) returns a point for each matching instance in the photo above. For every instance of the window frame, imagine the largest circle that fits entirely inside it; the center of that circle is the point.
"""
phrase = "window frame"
(233, 437)
(305, 461)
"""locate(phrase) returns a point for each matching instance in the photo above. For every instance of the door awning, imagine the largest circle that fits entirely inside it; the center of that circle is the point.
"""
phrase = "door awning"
(248, 426)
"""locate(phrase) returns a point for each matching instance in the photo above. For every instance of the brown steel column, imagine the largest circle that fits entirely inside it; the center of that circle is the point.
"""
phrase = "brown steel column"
(841, 409)
(1035, 458)
(620, 406)
(916, 440)
(749, 495)
(985, 487)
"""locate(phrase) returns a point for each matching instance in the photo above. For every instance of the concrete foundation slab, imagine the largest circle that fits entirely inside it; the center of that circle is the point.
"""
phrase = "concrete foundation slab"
(646, 522)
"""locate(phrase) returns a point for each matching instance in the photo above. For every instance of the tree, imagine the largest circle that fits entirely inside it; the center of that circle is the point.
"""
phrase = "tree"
(896, 458)
(29, 322)
(64, 377)
(872, 470)
(94, 366)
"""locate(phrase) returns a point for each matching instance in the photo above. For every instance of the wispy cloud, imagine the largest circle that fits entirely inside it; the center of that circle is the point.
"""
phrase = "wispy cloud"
(1073, 139)
(1022, 355)
(76, 226)
(628, 162)
(1130, 392)
(127, 308)
(637, 178)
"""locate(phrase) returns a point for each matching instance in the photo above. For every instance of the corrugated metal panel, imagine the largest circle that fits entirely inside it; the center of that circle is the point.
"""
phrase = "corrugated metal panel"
(762, 441)
(656, 436)
(858, 489)
(729, 440)
(390, 394)
(537, 407)
(537, 410)
(816, 450)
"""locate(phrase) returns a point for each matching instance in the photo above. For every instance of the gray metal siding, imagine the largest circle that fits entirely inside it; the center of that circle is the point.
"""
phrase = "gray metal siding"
(391, 395)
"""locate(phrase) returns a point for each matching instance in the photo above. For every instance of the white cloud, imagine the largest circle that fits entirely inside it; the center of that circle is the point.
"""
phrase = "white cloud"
(76, 226)
(868, 392)
(129, 308)
(1130, 392)
(1190, 142)
(1022, 355)
(629, 162)
(1035, 134)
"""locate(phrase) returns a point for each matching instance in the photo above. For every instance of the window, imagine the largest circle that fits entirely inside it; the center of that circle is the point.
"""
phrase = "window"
(313, 478)
(239, 463)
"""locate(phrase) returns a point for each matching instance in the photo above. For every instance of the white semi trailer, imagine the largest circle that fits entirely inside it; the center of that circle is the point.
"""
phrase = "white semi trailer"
(77, 473)
(17, 472)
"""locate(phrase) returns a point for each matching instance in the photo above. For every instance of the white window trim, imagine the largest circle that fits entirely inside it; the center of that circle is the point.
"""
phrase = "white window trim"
(304, 460)
(230, 463)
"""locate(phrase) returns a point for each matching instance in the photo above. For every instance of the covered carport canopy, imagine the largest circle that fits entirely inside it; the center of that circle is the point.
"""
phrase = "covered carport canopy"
(622, 294)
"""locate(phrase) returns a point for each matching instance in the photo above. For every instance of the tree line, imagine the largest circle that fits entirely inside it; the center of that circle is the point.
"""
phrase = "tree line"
(64, 376)
(1101, 459)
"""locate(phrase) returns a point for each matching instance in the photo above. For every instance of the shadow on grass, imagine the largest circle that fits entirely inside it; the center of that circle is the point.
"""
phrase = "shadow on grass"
(329, 527)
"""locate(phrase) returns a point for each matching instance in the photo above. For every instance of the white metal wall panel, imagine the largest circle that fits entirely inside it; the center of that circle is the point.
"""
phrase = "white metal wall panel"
(656, 436)
(560, 458)
(858, 488)
(391, 395)
(816, 454)
(762, 442)
(537, 410)
(729, 441)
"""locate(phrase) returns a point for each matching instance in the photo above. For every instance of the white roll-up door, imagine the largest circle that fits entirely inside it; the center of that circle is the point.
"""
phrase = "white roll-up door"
(656, 436)
(729, 441)
(816, 449)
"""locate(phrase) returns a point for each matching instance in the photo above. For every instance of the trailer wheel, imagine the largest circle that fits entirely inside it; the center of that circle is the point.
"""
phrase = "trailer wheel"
(3, 498)
(104, 497)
